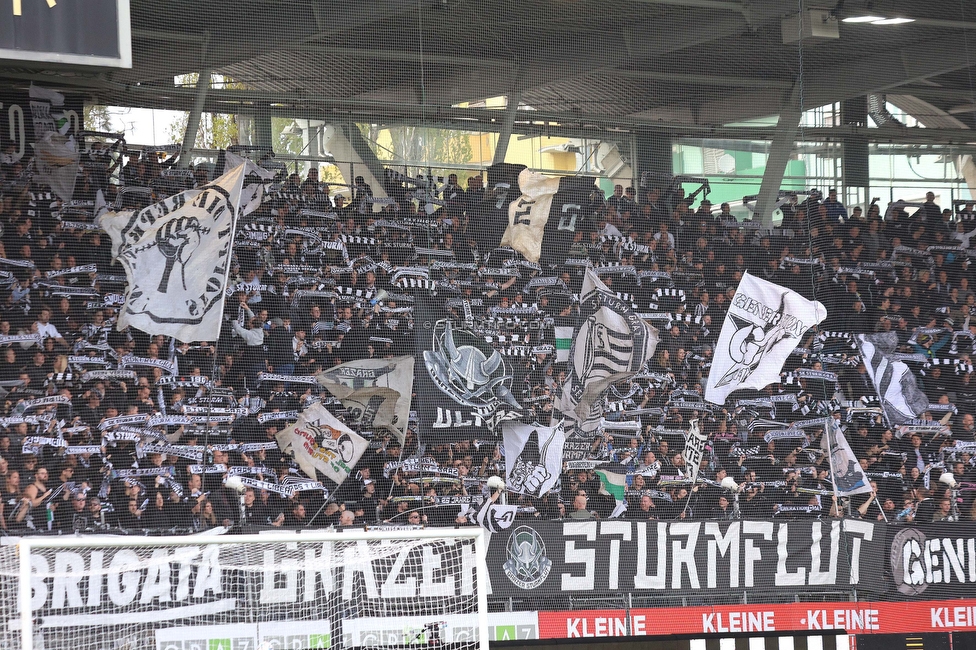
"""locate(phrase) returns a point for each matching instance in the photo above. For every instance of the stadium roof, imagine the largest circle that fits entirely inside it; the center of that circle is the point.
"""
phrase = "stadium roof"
(688, 66)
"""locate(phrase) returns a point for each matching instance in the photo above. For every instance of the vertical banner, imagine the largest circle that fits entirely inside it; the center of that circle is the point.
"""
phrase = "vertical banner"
(694, 450)
(466, 386)
(846, 473)
(533, 457)
(611, 345)
(528, 215)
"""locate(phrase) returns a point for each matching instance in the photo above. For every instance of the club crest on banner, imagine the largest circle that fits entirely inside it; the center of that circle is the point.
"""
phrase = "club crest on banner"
(602, 350)
(527, 565)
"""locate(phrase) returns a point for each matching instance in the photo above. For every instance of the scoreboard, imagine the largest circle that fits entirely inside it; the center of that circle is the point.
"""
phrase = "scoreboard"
(79, 32)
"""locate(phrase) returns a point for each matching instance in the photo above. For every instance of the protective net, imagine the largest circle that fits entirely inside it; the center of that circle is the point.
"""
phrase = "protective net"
(673, 297)
(309, 591)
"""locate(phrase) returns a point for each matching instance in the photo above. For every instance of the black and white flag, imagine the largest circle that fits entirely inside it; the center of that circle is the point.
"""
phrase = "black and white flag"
(176, 255)
(56, 154)
(529, 214)
(762, 327)
(492, 516)
(900, 395)
(533, 457)
(845, 472)
(694, 450)
(323, 447)
(375, 392)
(611, 345)
(466, 385)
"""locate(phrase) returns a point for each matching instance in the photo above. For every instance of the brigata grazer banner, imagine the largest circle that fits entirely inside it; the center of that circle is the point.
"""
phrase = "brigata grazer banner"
(687, 557)
(116, 595)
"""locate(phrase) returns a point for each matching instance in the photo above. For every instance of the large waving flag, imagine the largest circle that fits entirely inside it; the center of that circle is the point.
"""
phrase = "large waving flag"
(176, 255)
(528, 215)
(611, 345)
(375, 392)
(900, 395)
(763, 325)
(323, 447)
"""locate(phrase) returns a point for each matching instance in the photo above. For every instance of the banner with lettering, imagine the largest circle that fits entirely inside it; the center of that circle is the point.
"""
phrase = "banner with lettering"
(686, 557)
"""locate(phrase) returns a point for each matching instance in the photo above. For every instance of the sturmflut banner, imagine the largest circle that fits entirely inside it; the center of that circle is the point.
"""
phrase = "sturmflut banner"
(686, 557)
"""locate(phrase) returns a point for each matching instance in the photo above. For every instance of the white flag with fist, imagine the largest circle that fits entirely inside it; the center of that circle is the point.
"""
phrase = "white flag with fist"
(533, 457)
(176, 255)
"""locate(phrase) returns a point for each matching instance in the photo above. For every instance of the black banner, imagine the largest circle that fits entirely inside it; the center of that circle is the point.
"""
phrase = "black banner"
(932, 561)
(687, 557)
(570, 206)
(16, 118)
(465, 383)
(489, 217)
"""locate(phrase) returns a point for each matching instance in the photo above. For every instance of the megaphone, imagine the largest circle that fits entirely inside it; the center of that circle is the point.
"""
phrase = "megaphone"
(948, 479)
(380, 296)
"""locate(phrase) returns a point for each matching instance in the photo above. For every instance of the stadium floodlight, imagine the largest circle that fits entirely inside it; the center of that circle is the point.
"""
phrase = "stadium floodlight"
(862, 19)
(893, 21)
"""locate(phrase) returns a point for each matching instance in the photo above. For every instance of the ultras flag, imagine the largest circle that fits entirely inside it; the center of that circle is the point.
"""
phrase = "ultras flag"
(176, 255)
(466, 385)
(763, 325)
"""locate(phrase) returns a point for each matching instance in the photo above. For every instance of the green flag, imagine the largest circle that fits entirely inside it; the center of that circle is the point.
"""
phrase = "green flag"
(613, 484)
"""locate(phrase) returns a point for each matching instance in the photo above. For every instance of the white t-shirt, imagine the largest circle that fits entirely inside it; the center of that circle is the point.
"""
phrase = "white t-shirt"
(48, 331)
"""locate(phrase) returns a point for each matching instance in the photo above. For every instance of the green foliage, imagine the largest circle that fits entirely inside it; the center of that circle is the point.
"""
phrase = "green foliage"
(98, 118)
(216, 131)
(285, 142)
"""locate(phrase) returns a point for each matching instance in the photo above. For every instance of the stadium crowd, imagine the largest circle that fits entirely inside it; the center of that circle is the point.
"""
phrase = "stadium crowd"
(675, 257)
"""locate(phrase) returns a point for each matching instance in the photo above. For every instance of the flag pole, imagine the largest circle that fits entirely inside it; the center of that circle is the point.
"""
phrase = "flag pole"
(830, 458)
